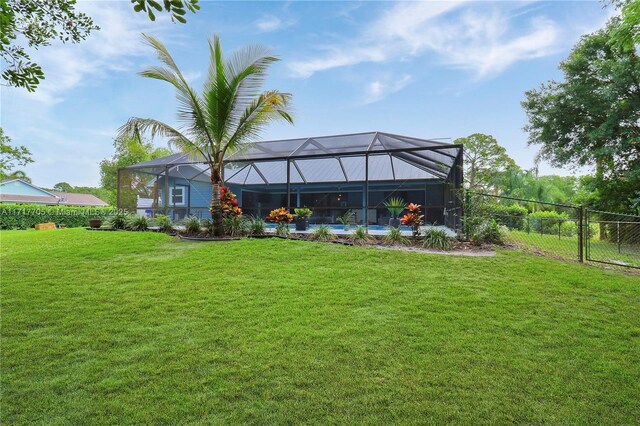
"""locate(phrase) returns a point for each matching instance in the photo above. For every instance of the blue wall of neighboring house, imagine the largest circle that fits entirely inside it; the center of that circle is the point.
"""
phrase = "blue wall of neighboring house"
(17, 187)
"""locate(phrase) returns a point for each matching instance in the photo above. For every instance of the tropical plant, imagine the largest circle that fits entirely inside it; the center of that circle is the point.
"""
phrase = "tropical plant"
(413, 219)
(164, 222)
(360, 236)
(394, 237)
(192, 225)
(489, 232)
(323, 233)
(436, 239)
(280, 215)
(138, 223)
(229, 203)
(119, 221)
(344, 218)
(395, 206)
(282, 229)
(257, 226)
(230, 113)
(303, 212)
(235, 226)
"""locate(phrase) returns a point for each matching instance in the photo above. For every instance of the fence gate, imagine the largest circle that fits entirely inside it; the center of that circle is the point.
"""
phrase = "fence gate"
(557, 230)
(612, 238)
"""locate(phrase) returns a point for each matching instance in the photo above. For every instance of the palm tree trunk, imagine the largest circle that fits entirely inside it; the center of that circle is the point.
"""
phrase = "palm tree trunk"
(216, 208)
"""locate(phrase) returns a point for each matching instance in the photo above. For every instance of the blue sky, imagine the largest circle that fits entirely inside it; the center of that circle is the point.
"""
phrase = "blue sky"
(424, 69)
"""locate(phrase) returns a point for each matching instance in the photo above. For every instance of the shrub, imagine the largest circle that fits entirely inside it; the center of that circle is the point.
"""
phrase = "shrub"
(164, 222)
(395, 206)
(119, 221)
(25, 216)
(323, 233)
(235, 226)
(436, 239)
(280, 215)
(513, 216)
(545, 222)
(344, 218)
(229, 203)
(257, 226)
(413, 219)
(360, 236)
(192, 225)
(395, 238)
(282, 229)
(303, 212)
(489, 232)
(138, 223)
(569, 229)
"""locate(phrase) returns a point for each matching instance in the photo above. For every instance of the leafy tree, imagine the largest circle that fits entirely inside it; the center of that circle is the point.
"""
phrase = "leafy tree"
(592, 117)
(230, 113)
(177, 8)
(626, 33)
(19, 174)
(63, 187)
(484, 160)
(11, 156)
(38, 22)
(129, 151)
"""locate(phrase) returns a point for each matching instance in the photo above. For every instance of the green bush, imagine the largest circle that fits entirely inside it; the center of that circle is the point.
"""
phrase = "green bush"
(436, 239)
(323, 233)
(510, 216)
(360, 236)
(282, 229)
(118, 221)
(25, 216)
(235, 226)
(394, 237)
(138, 223)
(192, 225)
(569, 229)
(257, 226)
(164, 222)
(489, 232)
(545, 222)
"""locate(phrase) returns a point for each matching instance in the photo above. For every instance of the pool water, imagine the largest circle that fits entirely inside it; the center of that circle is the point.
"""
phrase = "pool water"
(341, 227)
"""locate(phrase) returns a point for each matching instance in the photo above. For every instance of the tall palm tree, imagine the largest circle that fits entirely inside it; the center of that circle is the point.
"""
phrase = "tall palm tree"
(229, 114)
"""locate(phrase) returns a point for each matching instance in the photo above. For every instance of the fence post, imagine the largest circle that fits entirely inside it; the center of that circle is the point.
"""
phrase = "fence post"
(618, 223)
(581, 234)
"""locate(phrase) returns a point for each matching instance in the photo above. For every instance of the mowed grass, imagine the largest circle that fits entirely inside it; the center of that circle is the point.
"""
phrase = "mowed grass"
(139, 328)
(567, 247)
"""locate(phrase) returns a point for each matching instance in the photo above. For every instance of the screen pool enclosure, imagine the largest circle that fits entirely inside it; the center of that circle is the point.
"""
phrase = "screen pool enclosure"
(329, 174)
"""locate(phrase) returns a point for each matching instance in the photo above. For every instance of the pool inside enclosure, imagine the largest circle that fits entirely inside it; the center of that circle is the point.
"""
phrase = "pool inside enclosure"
(328, 174)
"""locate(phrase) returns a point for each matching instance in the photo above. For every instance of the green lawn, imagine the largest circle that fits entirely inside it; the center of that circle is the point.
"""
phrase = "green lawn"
(567, 247)
(138, 328)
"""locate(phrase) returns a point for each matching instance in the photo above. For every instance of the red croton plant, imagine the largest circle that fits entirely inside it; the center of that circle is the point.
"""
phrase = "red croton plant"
(229, 203)
(281, 215)
(413, 219)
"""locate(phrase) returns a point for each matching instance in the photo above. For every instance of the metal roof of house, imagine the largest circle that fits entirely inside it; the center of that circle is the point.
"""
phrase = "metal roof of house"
(339, 158)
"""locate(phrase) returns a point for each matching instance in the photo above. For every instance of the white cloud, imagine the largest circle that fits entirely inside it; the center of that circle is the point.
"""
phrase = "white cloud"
(481, 40)
(380, 88)
(269, 23)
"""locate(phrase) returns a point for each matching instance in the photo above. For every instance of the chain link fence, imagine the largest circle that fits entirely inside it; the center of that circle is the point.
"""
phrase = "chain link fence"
(614, 238)
(557, 230)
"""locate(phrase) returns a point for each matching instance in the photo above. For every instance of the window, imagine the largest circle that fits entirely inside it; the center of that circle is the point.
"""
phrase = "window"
(177, 196)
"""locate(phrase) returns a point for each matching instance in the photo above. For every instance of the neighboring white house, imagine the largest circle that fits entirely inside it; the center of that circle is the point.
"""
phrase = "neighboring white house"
(16, 191)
